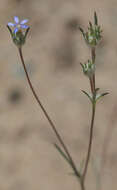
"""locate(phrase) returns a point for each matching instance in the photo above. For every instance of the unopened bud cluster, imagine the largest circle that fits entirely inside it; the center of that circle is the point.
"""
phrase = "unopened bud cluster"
(88, 68)
(93, 35)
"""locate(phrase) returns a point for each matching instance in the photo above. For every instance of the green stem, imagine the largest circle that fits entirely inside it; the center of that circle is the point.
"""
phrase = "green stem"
(82, 184)
(92, 85)
(93, 55)
(48, 117)
(90, 144)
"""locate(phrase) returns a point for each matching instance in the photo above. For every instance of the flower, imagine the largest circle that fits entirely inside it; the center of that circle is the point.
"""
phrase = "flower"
(18, 34)
(18, 24)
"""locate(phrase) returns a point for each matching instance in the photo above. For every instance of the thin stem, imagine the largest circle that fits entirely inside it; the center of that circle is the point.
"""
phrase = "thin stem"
(90, 144)
(82, 184)
(92, 85)
(48, 117)
(93, 56)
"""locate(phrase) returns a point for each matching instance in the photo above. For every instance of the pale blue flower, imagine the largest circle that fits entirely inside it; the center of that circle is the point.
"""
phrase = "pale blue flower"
(18, 24)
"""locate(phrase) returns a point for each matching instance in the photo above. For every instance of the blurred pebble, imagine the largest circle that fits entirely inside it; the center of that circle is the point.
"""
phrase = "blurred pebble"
(15, 96)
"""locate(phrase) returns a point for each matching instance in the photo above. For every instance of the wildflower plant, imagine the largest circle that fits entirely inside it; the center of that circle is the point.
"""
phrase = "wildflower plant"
(19, 39)
(92, 37)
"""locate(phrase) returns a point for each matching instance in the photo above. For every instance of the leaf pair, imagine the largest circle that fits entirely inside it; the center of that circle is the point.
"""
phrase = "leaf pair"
(93, 98)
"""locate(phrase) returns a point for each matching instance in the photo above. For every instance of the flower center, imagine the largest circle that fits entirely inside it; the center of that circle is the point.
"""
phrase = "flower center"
(18, 26)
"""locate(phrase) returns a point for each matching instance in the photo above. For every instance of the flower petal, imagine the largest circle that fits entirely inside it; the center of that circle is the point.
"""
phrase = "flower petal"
(16, 19)
(11, 24)
(15, 30)
(24, 21)
(24, 26)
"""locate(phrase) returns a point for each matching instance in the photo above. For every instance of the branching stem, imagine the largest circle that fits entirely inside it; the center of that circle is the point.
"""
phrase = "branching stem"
(48, 117)
(92, 85)
(72, 164)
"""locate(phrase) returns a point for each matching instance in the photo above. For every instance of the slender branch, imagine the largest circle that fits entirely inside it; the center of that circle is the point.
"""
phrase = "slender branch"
(92, 85)
(48, 117)
(82, 184)
(93, 55)
(90, 144)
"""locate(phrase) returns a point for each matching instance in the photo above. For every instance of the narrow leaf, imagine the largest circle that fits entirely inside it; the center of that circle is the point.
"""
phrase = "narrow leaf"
(62, 153)
(103, 94)
(98, 96)
(87, 95)
(90, 23)
(10, 31)
(95, 19)
(67, 159)
(82, 31)
(27, 32)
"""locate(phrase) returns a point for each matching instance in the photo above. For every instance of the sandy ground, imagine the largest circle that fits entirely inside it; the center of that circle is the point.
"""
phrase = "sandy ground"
(54, 49)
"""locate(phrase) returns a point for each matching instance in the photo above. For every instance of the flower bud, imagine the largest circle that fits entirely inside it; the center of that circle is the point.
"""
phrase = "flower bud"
(93, 35)
(88, 68)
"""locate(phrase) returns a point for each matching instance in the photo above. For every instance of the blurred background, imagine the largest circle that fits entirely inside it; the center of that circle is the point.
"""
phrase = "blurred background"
(54, 49)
